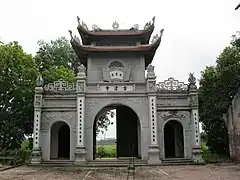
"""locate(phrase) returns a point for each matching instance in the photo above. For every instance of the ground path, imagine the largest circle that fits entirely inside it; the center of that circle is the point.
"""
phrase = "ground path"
(207, 172)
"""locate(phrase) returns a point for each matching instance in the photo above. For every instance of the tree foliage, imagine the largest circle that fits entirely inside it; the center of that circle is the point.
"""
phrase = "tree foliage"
(17, 82)
(104, 121)
(218, 85)
(55, 73)
(56, 53)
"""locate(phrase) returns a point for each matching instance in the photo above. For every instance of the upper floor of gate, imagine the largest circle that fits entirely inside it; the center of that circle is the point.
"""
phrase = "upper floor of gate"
(115, 55)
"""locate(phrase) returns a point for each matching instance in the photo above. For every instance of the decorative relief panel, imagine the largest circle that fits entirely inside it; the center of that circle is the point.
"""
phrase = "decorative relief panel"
(152, 85)
(194, 100)
(167, 102)
(38, 100)
(80, 86)
(60, 103)
(51, 117)
(140, 87)
(113, 74)
(165, 115)
(171, 85)
(60, 85)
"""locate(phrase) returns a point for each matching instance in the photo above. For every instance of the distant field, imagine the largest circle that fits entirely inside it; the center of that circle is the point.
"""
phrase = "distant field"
(106, 151)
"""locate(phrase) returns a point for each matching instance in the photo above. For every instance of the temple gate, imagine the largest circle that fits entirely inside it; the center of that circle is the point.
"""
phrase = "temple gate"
(155, 121)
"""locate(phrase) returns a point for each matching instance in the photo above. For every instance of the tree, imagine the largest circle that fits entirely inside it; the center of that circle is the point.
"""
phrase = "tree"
(218, 85)
(104, 121)
(17, 83)
(55, 73)
(56, 53)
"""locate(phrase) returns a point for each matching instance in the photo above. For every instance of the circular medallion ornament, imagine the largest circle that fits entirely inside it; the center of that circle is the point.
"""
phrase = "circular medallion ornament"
(115, 25)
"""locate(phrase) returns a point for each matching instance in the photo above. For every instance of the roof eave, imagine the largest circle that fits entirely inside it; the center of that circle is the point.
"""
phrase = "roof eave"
(88, 36)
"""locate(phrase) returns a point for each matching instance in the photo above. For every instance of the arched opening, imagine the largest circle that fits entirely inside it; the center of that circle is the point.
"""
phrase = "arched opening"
(60, 141)
(126, 129)
(173, 139)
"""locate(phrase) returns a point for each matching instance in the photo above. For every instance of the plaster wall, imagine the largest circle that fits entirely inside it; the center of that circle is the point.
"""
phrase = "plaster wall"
(232, 118)
(183, 117)
(98, 61)
(57, 110)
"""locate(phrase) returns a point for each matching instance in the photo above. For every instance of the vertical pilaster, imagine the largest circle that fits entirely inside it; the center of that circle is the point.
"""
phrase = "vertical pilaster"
(193, 97)
(80, 154)
(36, 153)
(153, 152)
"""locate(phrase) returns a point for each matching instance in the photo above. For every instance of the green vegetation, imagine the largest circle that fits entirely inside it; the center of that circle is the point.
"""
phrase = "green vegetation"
(106, 151)
(218, 85)
(56, 59)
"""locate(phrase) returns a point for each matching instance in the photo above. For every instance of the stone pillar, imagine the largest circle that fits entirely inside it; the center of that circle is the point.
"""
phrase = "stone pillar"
(153, 152)
(36, 153)
(193, 95)
(80, 154)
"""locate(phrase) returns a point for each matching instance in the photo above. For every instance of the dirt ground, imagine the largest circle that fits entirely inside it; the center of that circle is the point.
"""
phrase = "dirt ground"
(207, 172)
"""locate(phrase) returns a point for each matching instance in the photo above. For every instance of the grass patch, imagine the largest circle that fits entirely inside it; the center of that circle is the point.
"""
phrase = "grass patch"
(106, 151)
(209, 157)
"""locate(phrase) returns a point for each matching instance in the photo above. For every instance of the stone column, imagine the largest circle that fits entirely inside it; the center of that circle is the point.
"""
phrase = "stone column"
(193, 95)
(36, 153)
(153, 152)
(80, 154)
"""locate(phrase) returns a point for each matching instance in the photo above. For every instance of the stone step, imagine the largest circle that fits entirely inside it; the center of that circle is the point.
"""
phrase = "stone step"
(115, 162)
(178, 161)
(57, 162)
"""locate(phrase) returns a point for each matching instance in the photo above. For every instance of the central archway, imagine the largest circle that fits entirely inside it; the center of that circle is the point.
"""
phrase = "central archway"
(127, 131)
(60, 141)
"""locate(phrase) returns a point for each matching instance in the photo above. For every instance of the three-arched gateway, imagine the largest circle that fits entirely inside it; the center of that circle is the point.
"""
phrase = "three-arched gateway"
(128, 131)
(60, 141)
(155, 121)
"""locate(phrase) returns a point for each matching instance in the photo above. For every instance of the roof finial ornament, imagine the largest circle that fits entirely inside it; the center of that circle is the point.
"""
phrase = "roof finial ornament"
(153, 19)
(155, 38)
(115, 25)
(70, 32)
(78, 19)
(161, 32)
(191, 79)
(39, 81)
(136, 26)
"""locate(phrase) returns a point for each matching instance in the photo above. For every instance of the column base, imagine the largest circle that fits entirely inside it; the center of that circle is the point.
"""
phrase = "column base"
(36, 156)
(153, 155)
(197, 155)
(80, 155)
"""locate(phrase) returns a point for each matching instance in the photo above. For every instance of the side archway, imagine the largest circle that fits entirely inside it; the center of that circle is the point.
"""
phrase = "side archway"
(60, 141)
(173, 139)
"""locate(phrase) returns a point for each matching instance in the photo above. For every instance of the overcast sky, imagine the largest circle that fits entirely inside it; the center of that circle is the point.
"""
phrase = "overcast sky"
(196, 31)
